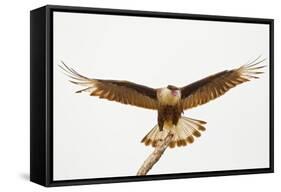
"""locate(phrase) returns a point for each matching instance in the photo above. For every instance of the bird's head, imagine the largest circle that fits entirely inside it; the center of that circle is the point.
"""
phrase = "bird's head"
(169, 95)
(175, 91)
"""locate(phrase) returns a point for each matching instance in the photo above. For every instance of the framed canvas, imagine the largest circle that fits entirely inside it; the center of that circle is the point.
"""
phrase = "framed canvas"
(125, 95)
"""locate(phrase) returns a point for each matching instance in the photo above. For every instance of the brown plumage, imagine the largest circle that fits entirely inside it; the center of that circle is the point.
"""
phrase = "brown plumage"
(169, 112)
(209, 88)
(170, 101)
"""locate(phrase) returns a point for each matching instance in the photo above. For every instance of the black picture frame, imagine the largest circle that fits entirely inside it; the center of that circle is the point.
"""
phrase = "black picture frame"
(41, 94)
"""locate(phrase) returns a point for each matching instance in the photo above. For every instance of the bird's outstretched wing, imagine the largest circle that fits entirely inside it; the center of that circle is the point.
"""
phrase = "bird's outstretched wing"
(211, 87)
(121, 91)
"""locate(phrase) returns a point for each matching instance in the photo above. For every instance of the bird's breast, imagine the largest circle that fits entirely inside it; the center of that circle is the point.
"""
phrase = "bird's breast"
(166, 97)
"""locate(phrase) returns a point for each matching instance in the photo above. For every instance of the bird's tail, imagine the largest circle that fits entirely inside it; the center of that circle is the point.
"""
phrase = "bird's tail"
(184, 133)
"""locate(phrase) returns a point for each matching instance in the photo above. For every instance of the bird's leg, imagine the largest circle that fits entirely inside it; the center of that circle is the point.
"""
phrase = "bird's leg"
(160, 125)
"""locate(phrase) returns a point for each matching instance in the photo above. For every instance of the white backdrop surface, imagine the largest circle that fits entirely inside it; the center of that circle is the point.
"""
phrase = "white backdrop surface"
(97, 138)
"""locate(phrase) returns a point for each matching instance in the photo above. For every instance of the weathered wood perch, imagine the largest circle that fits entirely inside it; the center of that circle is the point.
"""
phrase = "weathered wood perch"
(155, 156)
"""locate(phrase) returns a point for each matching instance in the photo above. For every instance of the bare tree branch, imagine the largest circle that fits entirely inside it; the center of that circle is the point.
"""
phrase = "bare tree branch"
(155, 156)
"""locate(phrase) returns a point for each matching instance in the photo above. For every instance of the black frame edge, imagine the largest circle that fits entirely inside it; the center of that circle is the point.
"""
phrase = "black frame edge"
(160, 177)
(49, 96)
(271, 87)
(159, 14)
(37, 96)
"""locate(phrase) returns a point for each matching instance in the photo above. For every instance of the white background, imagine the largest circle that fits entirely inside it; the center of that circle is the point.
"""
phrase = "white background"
(14, 142)
(97, 138)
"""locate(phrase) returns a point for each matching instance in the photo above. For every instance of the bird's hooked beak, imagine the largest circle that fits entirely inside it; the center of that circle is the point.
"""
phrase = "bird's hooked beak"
(174, 92)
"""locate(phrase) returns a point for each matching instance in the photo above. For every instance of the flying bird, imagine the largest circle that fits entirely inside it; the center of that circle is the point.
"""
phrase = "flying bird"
(170, 101)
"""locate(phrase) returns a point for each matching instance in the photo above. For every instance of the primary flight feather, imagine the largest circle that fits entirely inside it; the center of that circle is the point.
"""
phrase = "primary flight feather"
(170, 101)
